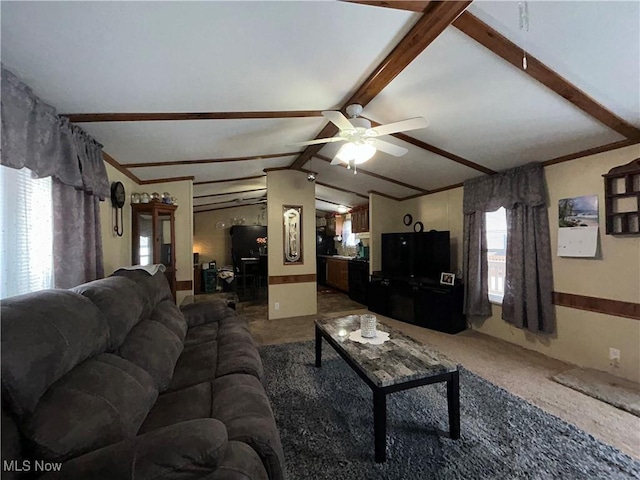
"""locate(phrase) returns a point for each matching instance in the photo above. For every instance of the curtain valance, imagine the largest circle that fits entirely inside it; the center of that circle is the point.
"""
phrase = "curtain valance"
(34, 136)
(523, 185)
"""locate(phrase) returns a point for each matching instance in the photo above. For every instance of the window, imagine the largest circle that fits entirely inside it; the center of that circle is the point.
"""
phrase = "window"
(26, 243)
(348, 238)
(496, 253)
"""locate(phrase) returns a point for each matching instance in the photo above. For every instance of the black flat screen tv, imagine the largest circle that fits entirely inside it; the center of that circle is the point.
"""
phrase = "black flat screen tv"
(416, 254)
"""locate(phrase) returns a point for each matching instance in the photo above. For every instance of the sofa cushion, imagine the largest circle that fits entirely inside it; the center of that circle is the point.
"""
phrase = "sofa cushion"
(154, 287)
(120, 300)
(179, 406)
(102, 401)
(44, 335)
(153, 347)
(201, 334)
(237, 352)
(168, 314)
(240, 402)
(184, 451)
(200, 313)
(197, 364)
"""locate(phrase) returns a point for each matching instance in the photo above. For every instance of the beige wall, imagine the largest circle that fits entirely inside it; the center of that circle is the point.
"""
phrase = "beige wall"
(290, 187)
(385, 216)
(441, 211)
(116, 250)
(214, 243)
(582, 337)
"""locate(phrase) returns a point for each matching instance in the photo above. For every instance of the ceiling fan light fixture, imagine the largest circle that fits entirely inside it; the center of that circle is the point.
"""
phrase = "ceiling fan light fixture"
(358, 152)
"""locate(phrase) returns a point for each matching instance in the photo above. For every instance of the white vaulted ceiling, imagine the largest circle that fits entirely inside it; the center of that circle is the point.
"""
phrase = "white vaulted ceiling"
(285, 61)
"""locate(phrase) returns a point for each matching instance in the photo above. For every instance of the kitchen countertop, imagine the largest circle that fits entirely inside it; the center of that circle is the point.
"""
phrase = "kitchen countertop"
(344, 257)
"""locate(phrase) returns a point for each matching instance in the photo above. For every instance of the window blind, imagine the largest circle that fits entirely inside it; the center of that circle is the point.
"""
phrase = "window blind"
(26, 216)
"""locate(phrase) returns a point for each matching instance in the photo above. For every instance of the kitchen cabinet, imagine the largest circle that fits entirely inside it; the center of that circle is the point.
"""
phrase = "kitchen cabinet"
(360, 219)
(153, 237)
(334, 225)
(338, 274)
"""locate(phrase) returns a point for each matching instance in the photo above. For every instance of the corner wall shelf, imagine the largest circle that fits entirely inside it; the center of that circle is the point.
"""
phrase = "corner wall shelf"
(622, 199)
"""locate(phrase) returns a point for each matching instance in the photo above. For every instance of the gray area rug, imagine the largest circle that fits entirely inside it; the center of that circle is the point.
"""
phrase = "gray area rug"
(615, 391)
(325, 418)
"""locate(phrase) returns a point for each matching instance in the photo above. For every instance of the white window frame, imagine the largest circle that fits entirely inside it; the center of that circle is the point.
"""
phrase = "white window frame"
(26, 243)
(490, 218)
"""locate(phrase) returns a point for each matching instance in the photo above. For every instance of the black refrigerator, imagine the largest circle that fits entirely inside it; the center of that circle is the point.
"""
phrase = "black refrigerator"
(244, 240)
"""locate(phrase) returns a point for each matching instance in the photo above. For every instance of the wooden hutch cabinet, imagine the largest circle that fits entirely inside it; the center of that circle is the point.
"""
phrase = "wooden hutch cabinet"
(154, 237)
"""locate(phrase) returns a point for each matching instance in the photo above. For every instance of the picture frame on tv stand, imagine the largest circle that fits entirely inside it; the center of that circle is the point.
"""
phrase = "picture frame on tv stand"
(447, 278)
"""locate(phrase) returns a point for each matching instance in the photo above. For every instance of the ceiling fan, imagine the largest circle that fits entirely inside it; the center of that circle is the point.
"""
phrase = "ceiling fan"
(362, 140)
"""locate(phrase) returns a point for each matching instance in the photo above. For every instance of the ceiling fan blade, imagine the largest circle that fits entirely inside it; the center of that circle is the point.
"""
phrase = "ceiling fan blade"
(390, 148)
(402, 126)
(336, 160)
(338, 119)
(319, 140)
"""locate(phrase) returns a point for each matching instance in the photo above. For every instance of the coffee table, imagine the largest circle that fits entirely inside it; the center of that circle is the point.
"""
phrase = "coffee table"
(398, 364)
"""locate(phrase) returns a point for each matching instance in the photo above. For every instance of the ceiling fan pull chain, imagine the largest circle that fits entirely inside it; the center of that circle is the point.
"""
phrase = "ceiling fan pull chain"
(523, 8)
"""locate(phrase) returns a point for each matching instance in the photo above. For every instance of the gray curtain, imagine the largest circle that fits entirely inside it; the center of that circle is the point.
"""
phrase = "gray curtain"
(522, 192)
(33, 136)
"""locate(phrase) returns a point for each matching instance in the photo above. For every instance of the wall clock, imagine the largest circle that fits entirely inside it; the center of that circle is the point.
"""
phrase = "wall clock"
(117, 200)
(418, 227)
(408, 219)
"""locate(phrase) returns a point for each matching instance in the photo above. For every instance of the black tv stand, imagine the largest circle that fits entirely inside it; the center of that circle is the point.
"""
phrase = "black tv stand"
(420, 301)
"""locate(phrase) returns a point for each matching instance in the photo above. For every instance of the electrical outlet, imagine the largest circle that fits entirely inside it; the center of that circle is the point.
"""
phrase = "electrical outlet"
(614, 357)
(277, 307)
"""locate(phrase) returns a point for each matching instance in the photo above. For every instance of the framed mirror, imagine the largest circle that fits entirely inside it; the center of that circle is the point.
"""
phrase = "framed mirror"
(292, 234)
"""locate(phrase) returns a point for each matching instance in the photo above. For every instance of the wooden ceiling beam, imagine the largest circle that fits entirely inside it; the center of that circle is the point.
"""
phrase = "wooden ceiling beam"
(333, 203)
(443, 153)
(230, 193)
(225, 208)
(154, 117)
(165, 180)
(397, 199)
(375, 175)
(591, 151)
(436, 18)
(411, 5)
(208, 160)
(341, 189)
(248, 201)
(115, 164)
(512, 53)
(438, 151)
(225, 180)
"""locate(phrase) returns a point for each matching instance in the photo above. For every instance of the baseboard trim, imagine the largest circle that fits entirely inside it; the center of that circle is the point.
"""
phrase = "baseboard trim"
(607, 306)
(287, 279)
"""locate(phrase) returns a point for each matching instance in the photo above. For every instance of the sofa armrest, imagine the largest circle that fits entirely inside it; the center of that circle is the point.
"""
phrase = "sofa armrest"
(185, 450)
(206, 312)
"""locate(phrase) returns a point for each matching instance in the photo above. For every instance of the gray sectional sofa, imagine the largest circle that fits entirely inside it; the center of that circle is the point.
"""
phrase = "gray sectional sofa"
(113, 381)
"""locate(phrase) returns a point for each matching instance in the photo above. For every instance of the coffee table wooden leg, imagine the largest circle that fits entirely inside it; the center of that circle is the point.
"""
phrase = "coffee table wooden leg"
(453, 400)
(318, 348)
(380, 425)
